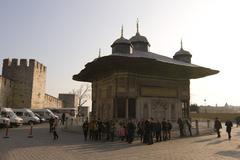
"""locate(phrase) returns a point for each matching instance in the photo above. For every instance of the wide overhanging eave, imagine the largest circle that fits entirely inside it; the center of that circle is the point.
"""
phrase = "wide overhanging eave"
(146, 66)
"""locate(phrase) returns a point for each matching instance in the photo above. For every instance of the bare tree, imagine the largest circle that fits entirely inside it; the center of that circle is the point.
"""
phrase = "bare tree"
(83, 93)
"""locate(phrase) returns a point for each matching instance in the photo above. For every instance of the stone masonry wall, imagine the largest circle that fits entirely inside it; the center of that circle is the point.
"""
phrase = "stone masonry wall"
(5, 92)
(69, 100)
(22, 75)
(52, 102)
(38, 88)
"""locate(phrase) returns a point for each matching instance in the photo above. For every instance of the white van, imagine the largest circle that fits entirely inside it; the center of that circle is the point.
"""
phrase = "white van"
(4, 121)
(45, 113)
(14, 119)
(27, 115)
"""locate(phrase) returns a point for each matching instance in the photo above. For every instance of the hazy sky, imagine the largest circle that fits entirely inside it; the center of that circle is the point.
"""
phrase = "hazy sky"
(66, 34)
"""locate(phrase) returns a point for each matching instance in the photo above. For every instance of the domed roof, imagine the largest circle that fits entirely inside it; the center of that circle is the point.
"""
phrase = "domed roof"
(182, 52)
(139, 38)
(121, 40)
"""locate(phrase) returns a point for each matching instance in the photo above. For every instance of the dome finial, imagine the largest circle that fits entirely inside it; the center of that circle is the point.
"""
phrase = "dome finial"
(181, 44)
(99, 53)
(137, 25)
(122, 31)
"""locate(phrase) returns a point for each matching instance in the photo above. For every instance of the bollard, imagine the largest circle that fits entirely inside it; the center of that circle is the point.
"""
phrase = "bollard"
(30, 132)
(197, 129)
(6, 132)
(208, 123)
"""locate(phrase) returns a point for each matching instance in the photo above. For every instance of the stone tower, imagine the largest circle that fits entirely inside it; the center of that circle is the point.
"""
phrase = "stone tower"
(29, 82)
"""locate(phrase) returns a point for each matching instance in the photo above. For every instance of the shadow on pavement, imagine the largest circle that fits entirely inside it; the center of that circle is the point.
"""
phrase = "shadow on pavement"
(237, 134)
(234, 154)
(204, 140)
(217, 142)
(42, 137)
(101, 146)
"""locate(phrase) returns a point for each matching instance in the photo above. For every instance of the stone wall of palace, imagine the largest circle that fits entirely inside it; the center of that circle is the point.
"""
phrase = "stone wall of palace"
(6, 86)
(52, 102)
(23, 85)
(29, 78)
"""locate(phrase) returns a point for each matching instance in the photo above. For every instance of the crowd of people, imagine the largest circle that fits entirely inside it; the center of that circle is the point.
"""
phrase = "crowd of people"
(127, 130)
(147, 131)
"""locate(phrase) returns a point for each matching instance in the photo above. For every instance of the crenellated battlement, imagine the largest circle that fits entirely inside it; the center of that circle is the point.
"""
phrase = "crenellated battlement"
(23, 63)
(29, 79)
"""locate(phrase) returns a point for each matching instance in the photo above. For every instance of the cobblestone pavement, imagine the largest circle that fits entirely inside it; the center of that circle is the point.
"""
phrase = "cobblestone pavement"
(71, 146)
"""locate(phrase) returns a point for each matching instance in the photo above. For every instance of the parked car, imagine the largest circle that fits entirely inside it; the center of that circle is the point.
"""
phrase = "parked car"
(14, 119)
(45, 113)
(27, 115)
(4, 122)
(42, 119)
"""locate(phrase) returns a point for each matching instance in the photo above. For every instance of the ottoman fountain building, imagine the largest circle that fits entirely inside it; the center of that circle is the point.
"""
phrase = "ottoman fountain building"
(134, 83)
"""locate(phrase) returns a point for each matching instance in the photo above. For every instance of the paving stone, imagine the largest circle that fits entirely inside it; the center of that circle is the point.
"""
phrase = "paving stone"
(71, 146)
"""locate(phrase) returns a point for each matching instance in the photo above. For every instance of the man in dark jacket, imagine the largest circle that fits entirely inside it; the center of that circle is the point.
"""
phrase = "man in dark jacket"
(169, 128)
(229, 125)
(189, 125)
(99, 129)
(217, 127)
(148, 138)
(51, 121)
(164, 129)
(85, 129)
(158, 130)
(131, 130)
(63, 118)
(181, 127)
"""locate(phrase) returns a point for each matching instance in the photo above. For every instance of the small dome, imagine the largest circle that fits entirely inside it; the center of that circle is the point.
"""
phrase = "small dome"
(183, 55)
(120, 40)
(139, 38)
(182, 52)
(121, 45)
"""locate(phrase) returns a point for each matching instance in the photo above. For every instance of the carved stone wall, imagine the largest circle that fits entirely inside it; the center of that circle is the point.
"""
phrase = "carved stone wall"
(155, 96)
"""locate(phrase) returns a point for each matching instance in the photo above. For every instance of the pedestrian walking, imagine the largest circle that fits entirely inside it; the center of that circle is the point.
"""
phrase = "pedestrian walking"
(164, 129)
(158, 131)
(85, 129)
(55, 123)
(169, 129)
(63, 118)
(229, 125)
(99, 129)
(131, 130)
(112, 130)
(217, 127)
(189, 126)
(121, 131)
(148, 139)
(181, 126)
(140, 129)
(51, 121)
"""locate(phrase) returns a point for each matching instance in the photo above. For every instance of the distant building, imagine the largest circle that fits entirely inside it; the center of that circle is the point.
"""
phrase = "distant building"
(23, 85)
(219, 109)
(52, 102)
(69, 100)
